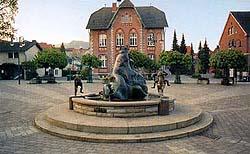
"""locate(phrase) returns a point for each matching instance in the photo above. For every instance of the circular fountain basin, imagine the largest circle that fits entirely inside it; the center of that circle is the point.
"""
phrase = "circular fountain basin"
(119, 109)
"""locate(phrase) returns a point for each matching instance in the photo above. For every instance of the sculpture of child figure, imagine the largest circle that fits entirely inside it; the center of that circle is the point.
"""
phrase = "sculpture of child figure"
(78, 82)
(109, 87)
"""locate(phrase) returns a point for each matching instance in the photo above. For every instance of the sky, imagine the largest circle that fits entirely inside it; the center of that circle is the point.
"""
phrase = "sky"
(57, 21)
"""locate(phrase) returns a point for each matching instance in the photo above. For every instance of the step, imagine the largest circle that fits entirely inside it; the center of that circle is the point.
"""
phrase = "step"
(202, 125)
(183, 116)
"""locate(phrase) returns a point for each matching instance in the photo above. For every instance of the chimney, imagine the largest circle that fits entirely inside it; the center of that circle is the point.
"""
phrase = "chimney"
(114, 7)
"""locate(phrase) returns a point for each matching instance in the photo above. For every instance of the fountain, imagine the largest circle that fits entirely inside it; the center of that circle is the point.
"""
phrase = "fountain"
(123, 112)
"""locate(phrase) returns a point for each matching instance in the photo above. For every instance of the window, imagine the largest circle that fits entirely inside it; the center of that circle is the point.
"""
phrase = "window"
(10, 55)
(104, 60)
(151, 56)
(233, 43)
(151, 39)
(239, 43)
(102, 40)
(16, 55)
(229, 43)
(119, 40)
(234, 30)
(56, 71)
(126, 18)
(13, 55)
(133, 39)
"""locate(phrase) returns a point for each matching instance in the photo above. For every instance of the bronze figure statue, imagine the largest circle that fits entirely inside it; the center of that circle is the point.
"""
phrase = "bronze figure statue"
(160, 79)
(78, 83)
(125, 83)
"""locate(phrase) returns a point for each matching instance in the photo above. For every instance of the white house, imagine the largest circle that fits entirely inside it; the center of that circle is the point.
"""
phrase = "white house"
(10, 53)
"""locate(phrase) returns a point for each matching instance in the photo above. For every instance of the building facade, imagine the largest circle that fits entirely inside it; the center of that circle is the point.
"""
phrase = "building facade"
(138, 28)
(9, 55)
(236, 33)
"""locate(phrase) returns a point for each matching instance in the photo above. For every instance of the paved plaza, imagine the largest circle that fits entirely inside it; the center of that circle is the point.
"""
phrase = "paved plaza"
(229, 105)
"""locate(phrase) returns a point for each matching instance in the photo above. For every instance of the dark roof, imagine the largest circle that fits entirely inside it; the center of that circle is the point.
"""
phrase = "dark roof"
(6, 47)
(126, 4)
(243, 18)
(101, 18)
(151, 17)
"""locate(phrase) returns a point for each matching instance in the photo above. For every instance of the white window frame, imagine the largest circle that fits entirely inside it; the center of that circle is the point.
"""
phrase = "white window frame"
(102, 40)
(151, 56)
(119, 39)
(151, 39)
(104, 60)
(133, 39)
(56, 72)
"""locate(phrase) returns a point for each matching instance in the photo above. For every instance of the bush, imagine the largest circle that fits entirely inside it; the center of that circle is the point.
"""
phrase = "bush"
(218, 74)
(65, 72)
(30, 75)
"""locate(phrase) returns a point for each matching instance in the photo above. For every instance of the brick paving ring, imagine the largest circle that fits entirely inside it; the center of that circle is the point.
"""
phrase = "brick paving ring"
(120, 122)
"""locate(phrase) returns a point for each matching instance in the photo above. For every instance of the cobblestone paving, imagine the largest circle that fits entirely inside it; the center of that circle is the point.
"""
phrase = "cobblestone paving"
(230, 132)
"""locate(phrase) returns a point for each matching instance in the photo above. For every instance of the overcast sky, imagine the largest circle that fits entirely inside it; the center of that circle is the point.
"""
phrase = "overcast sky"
(57, 21)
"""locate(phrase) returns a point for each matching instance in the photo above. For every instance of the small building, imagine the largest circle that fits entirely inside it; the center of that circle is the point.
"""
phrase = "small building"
(236, 33)
(10, 53)
(139, 28)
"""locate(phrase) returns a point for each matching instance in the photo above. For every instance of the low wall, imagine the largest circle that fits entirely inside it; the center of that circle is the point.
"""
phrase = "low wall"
(118, 109)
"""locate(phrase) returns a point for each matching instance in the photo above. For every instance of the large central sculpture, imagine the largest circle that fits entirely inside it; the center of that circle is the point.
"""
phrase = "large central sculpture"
(124, 82)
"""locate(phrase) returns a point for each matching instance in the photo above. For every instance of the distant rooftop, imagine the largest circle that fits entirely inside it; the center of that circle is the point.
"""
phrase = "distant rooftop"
(5, 46)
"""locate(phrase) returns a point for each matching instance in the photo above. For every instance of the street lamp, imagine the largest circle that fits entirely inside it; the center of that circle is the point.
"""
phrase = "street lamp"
(21, 44)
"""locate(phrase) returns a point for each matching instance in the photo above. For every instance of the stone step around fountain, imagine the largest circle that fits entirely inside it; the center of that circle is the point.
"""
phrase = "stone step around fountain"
(200, 126)
(183, 116)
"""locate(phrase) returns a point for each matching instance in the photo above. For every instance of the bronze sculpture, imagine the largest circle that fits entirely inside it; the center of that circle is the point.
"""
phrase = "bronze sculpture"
(78, 83)
(125, 83)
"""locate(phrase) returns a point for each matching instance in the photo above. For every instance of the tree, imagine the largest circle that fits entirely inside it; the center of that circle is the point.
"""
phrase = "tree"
(175, 43)
(183, 48)
(91, 61)
(177, 62)
(62, 48)
(29, 65)
(8, 10)
(227, 59)
(30, 69)
(203, 56)
(52, 58)
(141, 60)
(200, 47)
(192, 59)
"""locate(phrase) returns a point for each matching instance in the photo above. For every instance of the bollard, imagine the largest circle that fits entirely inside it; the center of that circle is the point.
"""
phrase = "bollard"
(70, 103)
(163, 106)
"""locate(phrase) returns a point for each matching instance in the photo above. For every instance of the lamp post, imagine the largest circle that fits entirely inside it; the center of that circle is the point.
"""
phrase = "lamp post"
(21, 43)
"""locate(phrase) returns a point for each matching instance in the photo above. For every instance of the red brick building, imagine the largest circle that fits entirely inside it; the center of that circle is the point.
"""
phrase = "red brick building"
(139, 28)
(236, 33)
